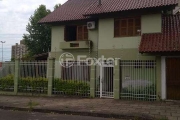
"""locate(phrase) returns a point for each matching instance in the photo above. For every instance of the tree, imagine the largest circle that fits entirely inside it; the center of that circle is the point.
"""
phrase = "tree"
(57, 6)
(38, 39)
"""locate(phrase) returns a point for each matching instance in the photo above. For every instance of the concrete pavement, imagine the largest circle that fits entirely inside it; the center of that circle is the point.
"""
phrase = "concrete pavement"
(21, 115)
(95, 107)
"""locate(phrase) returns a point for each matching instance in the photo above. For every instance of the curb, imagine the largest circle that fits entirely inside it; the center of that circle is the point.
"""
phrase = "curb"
(92, 114)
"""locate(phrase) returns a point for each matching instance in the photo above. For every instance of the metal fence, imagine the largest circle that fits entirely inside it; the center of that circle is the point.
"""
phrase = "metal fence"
(97, 88)
(7, 70)
(138, 78)
(32, 77)
(74, 81)
(107, 79)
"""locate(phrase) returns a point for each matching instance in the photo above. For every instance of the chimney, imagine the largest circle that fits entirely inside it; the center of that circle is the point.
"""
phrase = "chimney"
(101, 4)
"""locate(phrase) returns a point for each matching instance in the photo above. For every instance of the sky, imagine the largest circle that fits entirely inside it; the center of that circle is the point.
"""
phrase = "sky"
(14, 16)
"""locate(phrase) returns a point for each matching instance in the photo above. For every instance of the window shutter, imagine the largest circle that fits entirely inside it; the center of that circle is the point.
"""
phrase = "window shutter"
(127, 27)
(124, 27)
(137, 26)
(116, 28)
(85, 30)
(65, 33)
(79, 32)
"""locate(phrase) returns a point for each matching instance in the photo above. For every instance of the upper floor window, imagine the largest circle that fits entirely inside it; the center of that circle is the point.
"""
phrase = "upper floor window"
(127, 27)
(82, 32)
(75, 33)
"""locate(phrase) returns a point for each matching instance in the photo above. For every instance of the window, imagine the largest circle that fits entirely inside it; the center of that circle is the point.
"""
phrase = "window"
(76, 33)
(82, 32)
(127, 27)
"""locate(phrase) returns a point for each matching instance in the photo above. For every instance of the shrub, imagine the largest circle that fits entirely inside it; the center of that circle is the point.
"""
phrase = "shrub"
(40, 85)
(7, 83)
(30, 84)
(141, 92)
(71, 87)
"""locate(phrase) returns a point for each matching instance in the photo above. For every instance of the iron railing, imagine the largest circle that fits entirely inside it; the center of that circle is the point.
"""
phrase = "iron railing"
(74, 81)
(138, 78)
(33, 78)
(7, 70)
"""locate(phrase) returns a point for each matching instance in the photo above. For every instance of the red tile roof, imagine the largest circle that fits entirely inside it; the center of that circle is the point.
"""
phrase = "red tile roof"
(75, 9)
(122, 5)
(71, 10)
(167, 41)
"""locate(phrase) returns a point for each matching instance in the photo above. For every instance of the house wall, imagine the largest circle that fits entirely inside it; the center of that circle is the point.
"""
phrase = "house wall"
(151, 23)
(104, 42)
(103, 39)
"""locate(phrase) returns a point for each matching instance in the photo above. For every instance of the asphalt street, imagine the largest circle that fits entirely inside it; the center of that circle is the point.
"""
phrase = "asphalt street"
(21, 115)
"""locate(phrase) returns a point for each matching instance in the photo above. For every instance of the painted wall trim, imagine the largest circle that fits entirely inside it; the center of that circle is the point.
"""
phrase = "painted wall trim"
(163, 78)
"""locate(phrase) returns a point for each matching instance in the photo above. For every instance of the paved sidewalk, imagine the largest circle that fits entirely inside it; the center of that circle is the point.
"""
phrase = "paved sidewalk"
(95, 107)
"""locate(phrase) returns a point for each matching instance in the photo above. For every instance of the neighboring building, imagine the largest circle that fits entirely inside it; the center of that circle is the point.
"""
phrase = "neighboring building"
(144, 34)
(43, 56)
(18, 50)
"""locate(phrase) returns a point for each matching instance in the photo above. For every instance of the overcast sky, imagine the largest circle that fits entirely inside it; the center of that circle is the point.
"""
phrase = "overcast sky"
(14, 15)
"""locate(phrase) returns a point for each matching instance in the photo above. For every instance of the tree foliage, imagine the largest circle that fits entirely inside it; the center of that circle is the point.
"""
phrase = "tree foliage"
(57, 6)
(38, 39)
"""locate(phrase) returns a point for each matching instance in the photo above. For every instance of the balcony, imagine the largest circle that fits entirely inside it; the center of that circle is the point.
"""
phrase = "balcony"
(86, 44)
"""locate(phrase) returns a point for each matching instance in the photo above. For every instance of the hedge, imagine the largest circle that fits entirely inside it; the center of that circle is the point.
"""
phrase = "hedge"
(7, 83)
(40, 85)
(71, 87)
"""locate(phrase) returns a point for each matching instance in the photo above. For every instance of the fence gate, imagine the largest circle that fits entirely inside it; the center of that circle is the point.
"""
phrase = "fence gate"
(106, 80)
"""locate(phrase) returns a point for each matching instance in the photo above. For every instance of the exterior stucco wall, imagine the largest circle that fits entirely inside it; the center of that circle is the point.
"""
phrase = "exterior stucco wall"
(151, 23)
(56, 37)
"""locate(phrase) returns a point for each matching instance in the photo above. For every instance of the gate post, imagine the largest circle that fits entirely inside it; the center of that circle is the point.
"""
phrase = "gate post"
(117, 79)
(158, 78)
(16, 76)
(92, 81)
(51, 67)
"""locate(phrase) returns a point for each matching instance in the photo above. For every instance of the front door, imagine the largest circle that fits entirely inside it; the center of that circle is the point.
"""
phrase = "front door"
(173, 78)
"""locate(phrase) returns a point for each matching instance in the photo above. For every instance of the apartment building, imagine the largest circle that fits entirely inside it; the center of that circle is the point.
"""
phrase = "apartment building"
(18, 50)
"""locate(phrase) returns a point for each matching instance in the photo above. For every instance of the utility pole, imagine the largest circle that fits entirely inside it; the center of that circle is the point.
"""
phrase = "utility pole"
(2, 48)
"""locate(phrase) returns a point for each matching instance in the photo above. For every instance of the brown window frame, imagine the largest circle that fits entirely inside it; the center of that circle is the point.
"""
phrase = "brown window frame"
(79, 32)
(127, 27)
(83, 32)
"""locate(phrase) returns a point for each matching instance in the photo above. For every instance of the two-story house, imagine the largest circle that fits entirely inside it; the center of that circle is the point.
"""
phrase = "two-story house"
(143, 34)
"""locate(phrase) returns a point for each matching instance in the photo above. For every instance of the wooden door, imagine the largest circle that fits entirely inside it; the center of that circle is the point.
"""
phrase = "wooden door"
(173, 78)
